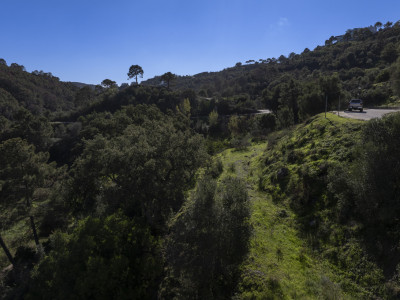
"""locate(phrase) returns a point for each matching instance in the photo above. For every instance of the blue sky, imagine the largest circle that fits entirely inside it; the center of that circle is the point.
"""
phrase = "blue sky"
(89, 40)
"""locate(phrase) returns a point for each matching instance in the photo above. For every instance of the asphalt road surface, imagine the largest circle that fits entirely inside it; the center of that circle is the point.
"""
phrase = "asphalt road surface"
(367, 114)
(263, 111)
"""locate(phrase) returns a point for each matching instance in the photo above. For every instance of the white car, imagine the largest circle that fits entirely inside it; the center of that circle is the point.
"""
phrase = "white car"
(356, 104)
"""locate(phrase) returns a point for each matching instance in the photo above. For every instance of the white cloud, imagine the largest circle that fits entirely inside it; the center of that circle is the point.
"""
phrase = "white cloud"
(279, 27)
(283, 22)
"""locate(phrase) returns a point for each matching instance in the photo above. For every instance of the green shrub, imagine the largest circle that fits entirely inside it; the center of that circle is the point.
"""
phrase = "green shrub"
(215, 168)
(112, 258)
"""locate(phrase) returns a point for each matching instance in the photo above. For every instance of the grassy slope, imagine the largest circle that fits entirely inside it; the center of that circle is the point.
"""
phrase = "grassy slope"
(311, 154)
(281, 264)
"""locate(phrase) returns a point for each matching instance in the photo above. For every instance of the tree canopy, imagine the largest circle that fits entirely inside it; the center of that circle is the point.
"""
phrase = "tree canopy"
(108, 83)
(134, 72)
(168, 77)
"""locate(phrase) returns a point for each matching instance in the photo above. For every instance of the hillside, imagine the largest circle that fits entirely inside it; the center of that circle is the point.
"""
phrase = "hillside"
(281, 263)
(152, 192)
(309, 238)
(337, 176)
(362, 59)
(38, 91)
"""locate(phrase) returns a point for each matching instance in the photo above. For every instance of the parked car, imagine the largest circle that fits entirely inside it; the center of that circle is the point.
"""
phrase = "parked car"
(356, 104)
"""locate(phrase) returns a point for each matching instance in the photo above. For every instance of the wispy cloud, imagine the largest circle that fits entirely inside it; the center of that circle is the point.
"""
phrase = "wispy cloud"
(283, 22)
(279, 26)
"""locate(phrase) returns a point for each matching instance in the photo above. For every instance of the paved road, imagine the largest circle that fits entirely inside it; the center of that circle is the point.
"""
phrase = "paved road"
(367, 114)
(263, 112)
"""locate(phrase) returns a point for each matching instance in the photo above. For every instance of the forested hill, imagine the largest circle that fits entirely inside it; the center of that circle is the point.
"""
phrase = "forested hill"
(362, 58)
(37, 92)
(178, 191)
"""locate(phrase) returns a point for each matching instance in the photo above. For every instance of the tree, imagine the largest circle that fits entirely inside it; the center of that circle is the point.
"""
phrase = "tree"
(213, 119)
(312, 101)
(377, 172)
(22, 173)
(388, 24)
(331, 87)
(267, 122)
(390, 52)
(110, 258)
(108, 83)
(98, 89)
(123, 86)
(16, 66)
(237, 125)
(210, 238)
(142, 169)
(135, 71)
(6, 251)
(168, 77)
(84, 96)
(290, 97)
(292, 55)
(378, 25)
(270, 98)
(282, 59)
(395, 78)
(184, 108)
(35, 129)
(348, 35)
(331, 40)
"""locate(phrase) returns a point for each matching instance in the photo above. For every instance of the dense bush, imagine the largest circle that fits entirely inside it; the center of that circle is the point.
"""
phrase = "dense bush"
(111, 258)
(142, 162)
(209, 239)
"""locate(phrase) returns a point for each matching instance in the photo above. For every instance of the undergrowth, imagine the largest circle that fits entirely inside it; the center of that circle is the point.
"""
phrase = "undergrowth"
(296, 171)
(282, 263)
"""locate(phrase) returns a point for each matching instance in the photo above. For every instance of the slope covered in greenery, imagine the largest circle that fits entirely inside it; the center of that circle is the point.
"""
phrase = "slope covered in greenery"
(38, 91)
(363, 60)
(280, 264)
(315, 234)
(339, 178)
(126, 177)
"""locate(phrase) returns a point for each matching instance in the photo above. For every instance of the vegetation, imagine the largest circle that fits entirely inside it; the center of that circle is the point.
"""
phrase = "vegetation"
(168, 77)
(336, 175)
(135, 71)
(111, 258)
(209, 240)
(360, 62)
(38, 92)
(280, 264)
(181, 191)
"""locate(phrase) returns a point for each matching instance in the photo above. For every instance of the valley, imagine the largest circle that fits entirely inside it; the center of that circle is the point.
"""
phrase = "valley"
(231, 184)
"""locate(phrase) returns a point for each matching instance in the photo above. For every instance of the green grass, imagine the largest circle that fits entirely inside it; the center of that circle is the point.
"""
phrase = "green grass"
(281, 263)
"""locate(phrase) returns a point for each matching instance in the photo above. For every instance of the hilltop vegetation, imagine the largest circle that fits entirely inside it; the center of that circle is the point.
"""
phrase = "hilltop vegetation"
(131, 192)
(38, 91)
(362, 60)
